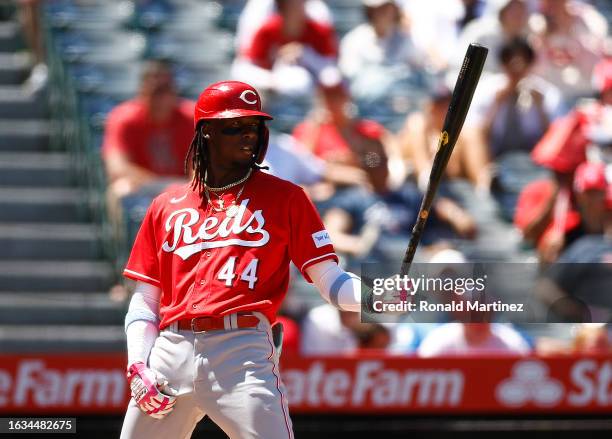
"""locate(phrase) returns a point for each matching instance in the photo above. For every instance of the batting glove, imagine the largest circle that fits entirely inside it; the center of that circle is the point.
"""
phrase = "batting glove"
(146, 387)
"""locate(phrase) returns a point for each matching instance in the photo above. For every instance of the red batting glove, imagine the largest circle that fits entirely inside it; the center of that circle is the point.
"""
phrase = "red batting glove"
(145, 386)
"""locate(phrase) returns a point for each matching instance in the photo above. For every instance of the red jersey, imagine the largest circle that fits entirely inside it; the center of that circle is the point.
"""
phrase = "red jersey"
(269, 38)
(211, 263)
(157, 147)
(329, 143)
(563, 146)
(531, 203)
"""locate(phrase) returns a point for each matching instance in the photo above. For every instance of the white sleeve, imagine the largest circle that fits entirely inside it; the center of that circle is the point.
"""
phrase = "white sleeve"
(253, 14)
(336, 286)
(142, 322)
(513, 339)
(319, 11)
(291, 161)
(316, 63)
(440, 341)
(244, 70)
(349, 59)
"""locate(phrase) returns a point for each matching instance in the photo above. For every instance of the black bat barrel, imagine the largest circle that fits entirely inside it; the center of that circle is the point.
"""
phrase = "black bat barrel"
(467, 80)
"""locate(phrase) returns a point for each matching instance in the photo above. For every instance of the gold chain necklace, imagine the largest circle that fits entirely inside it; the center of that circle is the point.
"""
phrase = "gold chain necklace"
(232, 210)
(228, 186)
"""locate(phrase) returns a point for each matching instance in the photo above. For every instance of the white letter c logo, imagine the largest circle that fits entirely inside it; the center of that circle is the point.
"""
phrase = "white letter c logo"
(243, 96)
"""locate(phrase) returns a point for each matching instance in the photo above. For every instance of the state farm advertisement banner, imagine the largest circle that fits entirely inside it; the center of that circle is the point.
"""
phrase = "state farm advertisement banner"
(54, 384)
(451, 385)
(80, 384)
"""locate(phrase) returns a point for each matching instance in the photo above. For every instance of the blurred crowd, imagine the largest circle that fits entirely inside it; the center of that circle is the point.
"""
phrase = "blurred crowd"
(542, 104)
(367, 83)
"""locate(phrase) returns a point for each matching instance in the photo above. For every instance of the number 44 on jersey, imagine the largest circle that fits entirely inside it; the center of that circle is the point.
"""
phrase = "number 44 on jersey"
(227, 272)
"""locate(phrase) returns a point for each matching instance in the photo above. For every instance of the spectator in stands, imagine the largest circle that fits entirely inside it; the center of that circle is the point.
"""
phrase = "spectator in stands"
(510, 113)
(565, 143)
(471, 339)
(592, 338)
(378, 55)
(472, 9)
(144, 147)
(406, 337)
(448, 264)
(333, 134)
(289, 53)
(513, 109)
(602, 80)
(288, 159)
(435, 26)
(583, 275)
(256, 12)
(493, 30)
(372, 336)
(547, 217)
(29, 17)
(569, 39)
(599, 149)
(146, 138)
(584, 131)
(419, 143)
(590, 191)
(546, 214)
(588, 339)
(360, 147)
(327, 330)
(599, 126)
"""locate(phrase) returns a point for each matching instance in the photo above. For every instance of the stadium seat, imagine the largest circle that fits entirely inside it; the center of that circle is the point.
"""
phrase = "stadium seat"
(93, 15)
(190, 17)
(209, 49)
(99, 47)
(110, 79)
(287, 111)
(229, 13)
(95, 108)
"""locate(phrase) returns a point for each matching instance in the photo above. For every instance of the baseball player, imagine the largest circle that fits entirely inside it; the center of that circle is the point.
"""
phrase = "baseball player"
(211, 262)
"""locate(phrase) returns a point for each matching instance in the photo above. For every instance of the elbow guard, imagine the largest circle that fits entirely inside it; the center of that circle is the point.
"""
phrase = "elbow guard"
(338, 287)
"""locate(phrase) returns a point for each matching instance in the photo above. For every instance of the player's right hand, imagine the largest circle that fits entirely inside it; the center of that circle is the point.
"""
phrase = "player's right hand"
(146, 387)
(398, 293)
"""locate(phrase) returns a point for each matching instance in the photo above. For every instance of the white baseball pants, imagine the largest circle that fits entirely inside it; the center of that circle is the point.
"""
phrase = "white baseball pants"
(232, 376)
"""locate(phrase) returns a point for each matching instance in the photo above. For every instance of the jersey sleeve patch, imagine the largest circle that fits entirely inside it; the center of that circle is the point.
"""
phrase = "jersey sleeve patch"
(321, 238)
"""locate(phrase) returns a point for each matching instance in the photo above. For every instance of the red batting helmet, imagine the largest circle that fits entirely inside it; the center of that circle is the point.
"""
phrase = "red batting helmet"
(229, 100)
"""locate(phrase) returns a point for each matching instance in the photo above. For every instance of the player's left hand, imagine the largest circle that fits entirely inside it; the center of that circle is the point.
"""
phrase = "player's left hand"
(146, 387)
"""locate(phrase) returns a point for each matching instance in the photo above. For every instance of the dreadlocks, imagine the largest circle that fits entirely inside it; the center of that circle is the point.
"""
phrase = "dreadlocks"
(197, 159)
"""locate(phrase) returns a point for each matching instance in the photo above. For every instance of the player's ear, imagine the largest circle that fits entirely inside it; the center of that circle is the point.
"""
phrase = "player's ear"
(205, 130)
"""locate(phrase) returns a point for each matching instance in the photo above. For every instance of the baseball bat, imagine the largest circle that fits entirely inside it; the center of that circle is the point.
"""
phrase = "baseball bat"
(465, 86)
